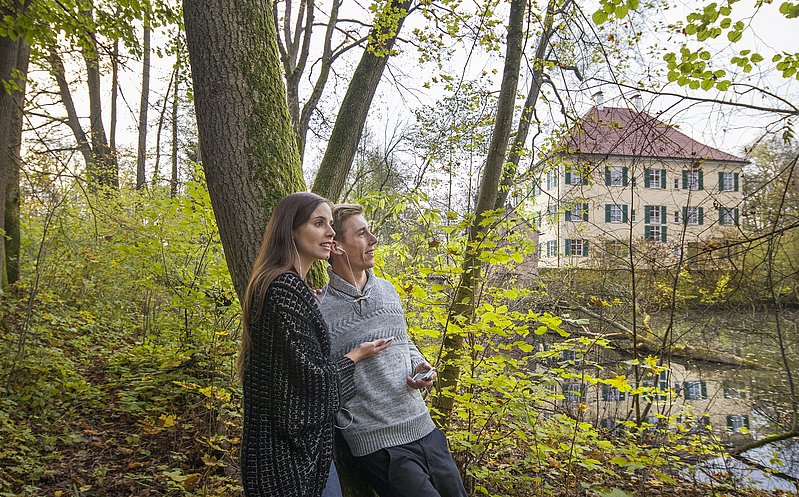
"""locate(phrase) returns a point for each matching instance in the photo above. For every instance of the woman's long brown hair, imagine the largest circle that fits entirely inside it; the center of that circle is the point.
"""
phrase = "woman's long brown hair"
(277, 255)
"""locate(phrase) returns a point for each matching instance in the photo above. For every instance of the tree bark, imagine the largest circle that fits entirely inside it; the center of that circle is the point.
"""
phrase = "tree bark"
(141, 157)
(14, 58)
(512, 166)
(112, 134)
(462, 308)
(59, 74)
(247, 141)
(173, 179)
(354, 110)
(105, 172)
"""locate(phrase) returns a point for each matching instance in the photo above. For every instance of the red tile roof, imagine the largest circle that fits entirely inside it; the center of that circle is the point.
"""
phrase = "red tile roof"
(626, 132)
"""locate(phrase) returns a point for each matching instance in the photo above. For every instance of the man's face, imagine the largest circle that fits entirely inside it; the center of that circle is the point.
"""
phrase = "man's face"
(358, 242)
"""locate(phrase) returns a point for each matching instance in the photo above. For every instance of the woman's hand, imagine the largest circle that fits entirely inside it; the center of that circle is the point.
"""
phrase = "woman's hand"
(418, 384)
(369, 349)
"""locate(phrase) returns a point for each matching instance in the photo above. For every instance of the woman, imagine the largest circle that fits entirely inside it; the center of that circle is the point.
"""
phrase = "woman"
(292, 388)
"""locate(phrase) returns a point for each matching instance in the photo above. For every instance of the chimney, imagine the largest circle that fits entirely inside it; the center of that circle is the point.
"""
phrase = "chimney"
(637, 102)
(599, 100)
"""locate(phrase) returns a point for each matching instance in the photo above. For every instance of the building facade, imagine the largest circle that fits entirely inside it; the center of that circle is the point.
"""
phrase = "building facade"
(623, 179)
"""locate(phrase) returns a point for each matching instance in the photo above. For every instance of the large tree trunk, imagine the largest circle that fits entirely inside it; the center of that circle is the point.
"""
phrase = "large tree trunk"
(112, 133)
(462, 308)
(141, 157)
(59, 74)
(354, 110)
(105, 172)
(247, 142)
(14, 57)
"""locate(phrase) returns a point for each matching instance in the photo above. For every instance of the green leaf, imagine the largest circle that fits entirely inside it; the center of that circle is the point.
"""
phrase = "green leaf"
(734, 36)
(756, 58)
(599, 17)
(621, 11)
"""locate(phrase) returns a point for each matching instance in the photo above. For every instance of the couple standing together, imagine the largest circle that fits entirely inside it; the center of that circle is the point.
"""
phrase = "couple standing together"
(341, 358)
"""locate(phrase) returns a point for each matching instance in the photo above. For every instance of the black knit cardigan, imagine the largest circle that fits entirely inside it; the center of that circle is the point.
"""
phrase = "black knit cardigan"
(292, 389)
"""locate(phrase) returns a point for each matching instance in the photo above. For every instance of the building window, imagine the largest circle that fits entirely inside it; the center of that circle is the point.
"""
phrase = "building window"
(676, 183)
(654, 214)
(728, 182)
(577, 212)
(572, 392)
(732, 391)
(676, 217)
(655, 178)
(728, 216)
(693, 215)
(616, 176)
(552, 179)
(655, 233)
(552, 248)
(694, 390)
(692, 180)
(575, 177)
(612, 394)
(736, 423)
(577, 248)
(615, 213)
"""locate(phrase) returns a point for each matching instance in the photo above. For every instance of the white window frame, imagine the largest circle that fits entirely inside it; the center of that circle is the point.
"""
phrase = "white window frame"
(616, 176)
(736, 422)
(654, 215)
(616, 213)
(693, 180)
(655, 233)
(692, 215)
(575, 178)
(572, 392)
(693, 390)
(654, 178)
(727, 217)
(727, 182)
(552, 179)
(576, 248)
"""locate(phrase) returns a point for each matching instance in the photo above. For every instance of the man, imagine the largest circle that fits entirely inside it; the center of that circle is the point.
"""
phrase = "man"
(386, 425)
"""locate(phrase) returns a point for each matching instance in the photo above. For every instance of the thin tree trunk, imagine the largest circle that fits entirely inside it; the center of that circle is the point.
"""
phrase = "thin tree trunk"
(161, 118)
(354, 110)
(462, 308)
(246, 137)
(512, 166)
(173, 180)
(141, 157)
(105, 169)
(112, 137)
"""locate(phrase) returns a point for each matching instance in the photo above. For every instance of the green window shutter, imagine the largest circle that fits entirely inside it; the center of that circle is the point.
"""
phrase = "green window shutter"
(647, 210)
(624, 178)
(701, 180)
(605, 392)
(646, 178)
(663, 214)
(685, 389)
(746, 421)
(585, 212)
(704, 389)
(721, 215)
(647, 232)
(730, 426)
(607, 213)
(735, 182)
(568, 177)
(624, 214)
(685, 180)
(663, 179)
(622, 395)
(701, 215)
(607, 175)
(663, 234)
(567, 249)
(685, 215)
(735, 215)
(584, 177)
(585, 248)
(721, 181)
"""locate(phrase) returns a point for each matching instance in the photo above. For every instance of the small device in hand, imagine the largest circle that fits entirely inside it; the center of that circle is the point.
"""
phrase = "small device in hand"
(424, 375)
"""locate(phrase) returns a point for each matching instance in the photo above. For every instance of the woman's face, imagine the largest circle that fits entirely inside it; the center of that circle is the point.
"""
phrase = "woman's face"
(314, 238)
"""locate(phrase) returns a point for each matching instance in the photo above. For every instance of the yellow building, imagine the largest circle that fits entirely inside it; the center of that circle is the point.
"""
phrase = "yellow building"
(622, 179)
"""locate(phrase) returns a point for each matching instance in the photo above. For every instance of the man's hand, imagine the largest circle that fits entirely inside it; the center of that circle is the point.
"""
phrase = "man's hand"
(419, 384)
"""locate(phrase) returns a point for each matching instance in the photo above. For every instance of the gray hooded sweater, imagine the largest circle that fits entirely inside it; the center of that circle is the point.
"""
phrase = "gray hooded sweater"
(385, 411)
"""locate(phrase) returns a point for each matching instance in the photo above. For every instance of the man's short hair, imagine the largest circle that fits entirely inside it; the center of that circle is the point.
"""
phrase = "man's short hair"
(342, 212)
